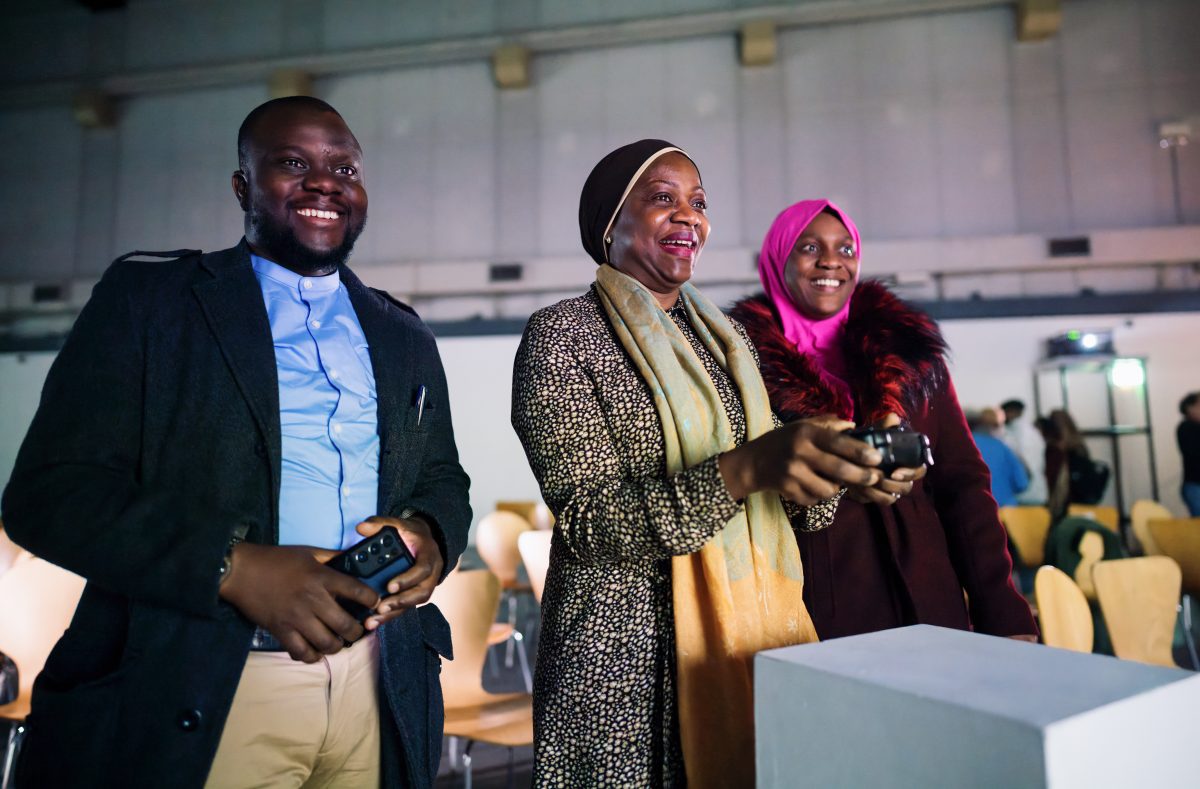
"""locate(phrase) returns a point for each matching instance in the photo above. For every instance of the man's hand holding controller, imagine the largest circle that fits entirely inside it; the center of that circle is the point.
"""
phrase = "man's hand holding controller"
(292, 593)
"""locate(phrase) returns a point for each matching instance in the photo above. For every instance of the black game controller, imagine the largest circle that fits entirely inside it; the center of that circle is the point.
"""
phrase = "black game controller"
(374, 561)
(900, 447)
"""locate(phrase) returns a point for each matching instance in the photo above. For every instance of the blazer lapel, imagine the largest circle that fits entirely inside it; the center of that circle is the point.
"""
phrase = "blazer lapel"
(232, 303)
(391, 362)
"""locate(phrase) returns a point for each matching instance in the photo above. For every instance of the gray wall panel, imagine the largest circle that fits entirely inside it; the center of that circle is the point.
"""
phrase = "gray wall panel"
(1111, 159)
(922, 126)
(38, 223)
(1043, 190)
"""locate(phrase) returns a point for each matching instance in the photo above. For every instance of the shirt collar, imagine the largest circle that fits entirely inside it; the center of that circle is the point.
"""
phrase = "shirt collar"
(293, 281)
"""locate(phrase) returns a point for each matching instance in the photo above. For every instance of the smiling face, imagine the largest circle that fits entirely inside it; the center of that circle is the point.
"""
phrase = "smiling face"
(302, 189)
(822, 268)
(662, 227)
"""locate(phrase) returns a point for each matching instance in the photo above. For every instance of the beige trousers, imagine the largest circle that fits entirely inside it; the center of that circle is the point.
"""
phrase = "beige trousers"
(296, 724)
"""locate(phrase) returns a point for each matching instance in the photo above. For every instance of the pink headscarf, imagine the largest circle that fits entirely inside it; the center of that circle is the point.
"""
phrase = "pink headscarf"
(815, 338)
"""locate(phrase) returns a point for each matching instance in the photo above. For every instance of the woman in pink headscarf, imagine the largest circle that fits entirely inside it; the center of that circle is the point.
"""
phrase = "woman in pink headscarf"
(835, 348)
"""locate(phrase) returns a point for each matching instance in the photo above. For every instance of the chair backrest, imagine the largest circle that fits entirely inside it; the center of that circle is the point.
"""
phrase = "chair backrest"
(535, 553)
(1027, 528)
(1179, 538)
(1139, 598)
(1062, 610)
(524, 508)
(469, 599)
(37, 601)
(542, 518)
(1104, 515)
(496, 540)
(1091, 551)
(1140, 514)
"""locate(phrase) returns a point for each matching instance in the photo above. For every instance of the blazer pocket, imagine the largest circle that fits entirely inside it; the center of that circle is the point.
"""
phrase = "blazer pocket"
(435, 630)
(405, 454)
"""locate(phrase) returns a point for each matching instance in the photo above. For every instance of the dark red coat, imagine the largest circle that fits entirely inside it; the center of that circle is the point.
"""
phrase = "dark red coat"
(881, 567)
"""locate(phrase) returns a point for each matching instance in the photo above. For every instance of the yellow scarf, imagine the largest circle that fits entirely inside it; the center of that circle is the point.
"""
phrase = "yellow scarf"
(742, 592)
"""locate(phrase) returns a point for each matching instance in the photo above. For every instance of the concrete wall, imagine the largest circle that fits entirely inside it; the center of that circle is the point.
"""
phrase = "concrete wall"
(923, 127)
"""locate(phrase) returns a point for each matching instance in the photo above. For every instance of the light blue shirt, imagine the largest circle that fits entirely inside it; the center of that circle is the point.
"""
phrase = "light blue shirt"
(327, 408)
(1008, 473)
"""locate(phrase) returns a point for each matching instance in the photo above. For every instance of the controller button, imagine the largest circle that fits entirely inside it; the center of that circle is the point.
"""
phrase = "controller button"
(360, 557)
(374, 548)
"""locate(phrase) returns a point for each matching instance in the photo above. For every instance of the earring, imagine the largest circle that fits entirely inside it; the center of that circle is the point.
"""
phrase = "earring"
(608, 239)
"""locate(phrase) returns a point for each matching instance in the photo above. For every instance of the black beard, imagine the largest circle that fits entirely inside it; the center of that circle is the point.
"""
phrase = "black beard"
(282, 241)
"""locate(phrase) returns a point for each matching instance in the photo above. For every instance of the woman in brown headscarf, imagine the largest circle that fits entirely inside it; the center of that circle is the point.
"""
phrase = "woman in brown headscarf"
(647, 425)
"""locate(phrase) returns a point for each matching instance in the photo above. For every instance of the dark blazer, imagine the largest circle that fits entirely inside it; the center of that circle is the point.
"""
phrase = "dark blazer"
(157, 438)
(939, 555)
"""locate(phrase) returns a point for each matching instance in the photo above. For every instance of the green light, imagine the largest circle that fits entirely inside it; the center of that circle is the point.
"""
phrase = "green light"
(1073, 335)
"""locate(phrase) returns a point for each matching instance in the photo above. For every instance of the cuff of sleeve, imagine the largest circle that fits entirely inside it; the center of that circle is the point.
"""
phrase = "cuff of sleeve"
(707, 477)
(438, 536)
(815, 518)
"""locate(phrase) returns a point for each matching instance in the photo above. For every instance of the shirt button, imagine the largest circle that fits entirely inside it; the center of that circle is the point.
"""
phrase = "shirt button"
(316, 324)
(345, 490)
(307, 283)
(189, 720)
(337, 430)
(333, 374)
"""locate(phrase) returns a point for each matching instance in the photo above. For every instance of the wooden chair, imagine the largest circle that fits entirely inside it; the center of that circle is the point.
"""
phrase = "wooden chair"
(535, 553)
(1140, 514)
(1063, 611)
(1179, 538)
(1027, 528)
(469, 599)
(543, 518)
(1091, 551)
(1140, 601)
(1104, 515)
(37, 601)
(496, 540)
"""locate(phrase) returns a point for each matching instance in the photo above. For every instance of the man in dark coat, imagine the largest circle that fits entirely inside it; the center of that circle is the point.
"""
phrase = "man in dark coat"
(174, 465)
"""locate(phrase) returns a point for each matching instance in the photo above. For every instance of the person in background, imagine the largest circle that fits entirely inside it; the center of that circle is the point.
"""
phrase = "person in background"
(1024, 438)
(1188, 436)
(644, 418)
(1009, 477)
(1066, 451)
(216, 426)
(902, 551)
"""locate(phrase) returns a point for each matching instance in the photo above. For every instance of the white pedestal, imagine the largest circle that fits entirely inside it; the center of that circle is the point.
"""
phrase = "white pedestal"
(925, 707)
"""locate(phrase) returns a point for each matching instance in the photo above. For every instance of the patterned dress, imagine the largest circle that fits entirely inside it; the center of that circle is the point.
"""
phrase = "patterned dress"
(604, 695)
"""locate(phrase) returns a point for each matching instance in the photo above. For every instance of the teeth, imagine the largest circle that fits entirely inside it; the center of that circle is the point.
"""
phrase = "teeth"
(677, 243)
(318, 213)
(826, 283)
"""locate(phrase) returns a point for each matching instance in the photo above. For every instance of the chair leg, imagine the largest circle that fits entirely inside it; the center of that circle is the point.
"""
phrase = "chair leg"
(511, 772)
(523, 655)
(452, 753)
(1189, 635)
(492, 665)
(467, 764)
(512, 620)
(16, 733)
